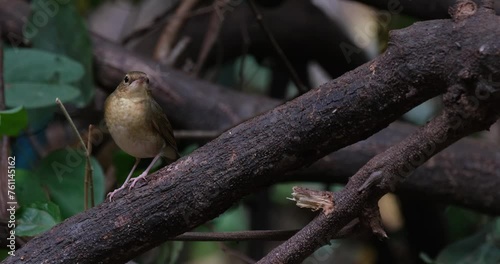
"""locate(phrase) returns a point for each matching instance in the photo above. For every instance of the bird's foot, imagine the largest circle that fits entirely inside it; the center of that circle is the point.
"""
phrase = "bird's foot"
(111, 194)
(140, 177)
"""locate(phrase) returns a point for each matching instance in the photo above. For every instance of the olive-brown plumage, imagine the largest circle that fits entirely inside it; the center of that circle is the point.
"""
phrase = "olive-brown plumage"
(137, 123)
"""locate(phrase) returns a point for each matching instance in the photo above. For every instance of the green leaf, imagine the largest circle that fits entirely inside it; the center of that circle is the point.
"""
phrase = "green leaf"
(481, 247)
(13, 121)
(28, 188)
(62, 174)
(65, 33)
(37, 95)
(38, 66)
(37, 218)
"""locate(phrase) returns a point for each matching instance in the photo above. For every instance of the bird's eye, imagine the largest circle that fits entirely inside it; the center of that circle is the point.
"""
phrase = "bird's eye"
(147, 80)
(126, 79)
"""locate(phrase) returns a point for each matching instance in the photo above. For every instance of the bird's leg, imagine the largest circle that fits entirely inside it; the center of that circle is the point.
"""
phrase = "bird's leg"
(110, 195)
(145, 173)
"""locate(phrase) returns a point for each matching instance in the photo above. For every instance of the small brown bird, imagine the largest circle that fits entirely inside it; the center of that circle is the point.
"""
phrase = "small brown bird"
(138, 125)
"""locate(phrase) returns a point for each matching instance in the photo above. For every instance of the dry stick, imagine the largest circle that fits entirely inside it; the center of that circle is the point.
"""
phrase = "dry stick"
(211, 36)
(196, 134)
(260, 235)
(88, 169)
(157, 21)
(395, 164)
(295, 78)
(87, 156)
(177, 50)
(169, 33)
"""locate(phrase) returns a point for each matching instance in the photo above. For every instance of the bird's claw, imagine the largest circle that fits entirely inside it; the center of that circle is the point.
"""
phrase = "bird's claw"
(111, 194)
(134, 181)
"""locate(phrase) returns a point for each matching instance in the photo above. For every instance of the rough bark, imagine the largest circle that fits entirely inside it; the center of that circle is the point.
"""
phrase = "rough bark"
(471, 105)
(467, 173)
(421, 62)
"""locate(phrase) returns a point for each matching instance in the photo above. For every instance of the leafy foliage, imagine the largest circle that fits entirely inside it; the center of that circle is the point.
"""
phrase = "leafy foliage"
(62, 174)
(13, 121)
(54, 191)
(37, 218)
(65, 33)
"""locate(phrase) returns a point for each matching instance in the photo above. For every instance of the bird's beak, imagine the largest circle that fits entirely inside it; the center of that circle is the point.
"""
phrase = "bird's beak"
(141, 80)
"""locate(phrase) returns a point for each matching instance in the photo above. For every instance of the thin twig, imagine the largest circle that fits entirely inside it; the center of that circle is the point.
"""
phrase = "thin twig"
(295, 78)
(87, 157)
(212, 34)
(260, 235)
(178, 49)
(158, 21)
(171, 30)
(89, 171)
(66, 114)
(196, 134)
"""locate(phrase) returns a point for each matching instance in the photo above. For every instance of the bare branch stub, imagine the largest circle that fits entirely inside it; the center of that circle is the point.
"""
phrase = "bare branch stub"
(370, 216)
(463, 9)
(312, 199)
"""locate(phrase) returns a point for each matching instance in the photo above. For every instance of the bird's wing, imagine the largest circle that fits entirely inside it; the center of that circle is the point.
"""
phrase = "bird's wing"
(161, 124)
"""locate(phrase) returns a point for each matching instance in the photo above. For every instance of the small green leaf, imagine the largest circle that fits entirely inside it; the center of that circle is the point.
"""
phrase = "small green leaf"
(28, 188)
(38, 66)
(66, 33)
(37, 95)
(37, 218)
(62, 174)
(13, 121)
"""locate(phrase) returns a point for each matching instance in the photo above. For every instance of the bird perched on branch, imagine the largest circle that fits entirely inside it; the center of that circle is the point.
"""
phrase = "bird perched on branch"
(138, 125)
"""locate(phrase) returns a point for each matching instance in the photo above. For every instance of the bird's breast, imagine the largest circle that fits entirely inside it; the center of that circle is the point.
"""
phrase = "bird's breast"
(127, 123)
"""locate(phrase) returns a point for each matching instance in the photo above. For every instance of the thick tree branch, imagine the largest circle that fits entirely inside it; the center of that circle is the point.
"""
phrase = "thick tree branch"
(394, 165)
(421, 62)
(461, 174)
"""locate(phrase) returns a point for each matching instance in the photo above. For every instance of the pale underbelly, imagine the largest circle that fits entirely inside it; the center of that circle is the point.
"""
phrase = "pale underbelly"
(144, 145)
